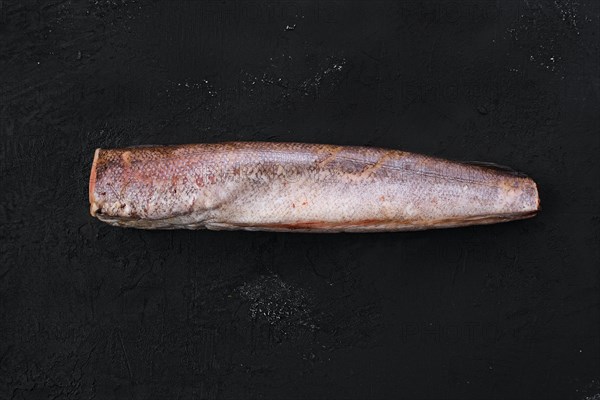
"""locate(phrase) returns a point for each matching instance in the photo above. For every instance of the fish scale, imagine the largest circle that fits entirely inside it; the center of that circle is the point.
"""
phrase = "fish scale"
(300, 187)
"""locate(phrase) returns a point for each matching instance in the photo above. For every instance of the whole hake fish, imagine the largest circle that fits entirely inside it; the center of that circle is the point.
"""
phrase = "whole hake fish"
(300, 187)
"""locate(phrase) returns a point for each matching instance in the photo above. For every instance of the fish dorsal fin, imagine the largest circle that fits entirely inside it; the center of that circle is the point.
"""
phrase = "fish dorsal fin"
(497, 167)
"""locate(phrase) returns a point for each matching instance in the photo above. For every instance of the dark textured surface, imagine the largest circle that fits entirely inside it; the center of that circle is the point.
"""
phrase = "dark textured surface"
(504, 311)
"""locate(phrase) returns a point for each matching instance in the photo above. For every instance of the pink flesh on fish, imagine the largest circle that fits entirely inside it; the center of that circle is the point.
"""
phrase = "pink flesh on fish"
(300, 187)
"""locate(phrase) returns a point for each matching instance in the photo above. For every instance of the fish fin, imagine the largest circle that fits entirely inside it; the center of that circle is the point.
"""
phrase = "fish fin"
(497, 167)
(144, 145)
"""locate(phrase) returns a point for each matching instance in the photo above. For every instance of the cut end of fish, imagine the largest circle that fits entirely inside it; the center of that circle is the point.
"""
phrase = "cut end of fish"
(537, 195)
(93, 206)
(531, 200)
(538, 206)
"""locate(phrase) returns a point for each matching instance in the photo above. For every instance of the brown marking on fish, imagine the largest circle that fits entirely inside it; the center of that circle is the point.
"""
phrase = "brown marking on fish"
(371, 169)
(332, 155)
(126, 156)
(323, 224)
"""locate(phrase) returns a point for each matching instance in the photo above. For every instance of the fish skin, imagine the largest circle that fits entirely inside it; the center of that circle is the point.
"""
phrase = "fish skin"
(300, 187)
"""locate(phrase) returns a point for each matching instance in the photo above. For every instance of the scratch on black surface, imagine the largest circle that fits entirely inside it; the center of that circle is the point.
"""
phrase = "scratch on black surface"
(126, 357)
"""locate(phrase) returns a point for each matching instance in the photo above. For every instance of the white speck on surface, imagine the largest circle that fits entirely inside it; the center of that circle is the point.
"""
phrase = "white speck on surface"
(279, 303)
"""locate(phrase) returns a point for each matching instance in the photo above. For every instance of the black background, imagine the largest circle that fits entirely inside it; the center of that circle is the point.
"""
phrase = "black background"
(502, 311)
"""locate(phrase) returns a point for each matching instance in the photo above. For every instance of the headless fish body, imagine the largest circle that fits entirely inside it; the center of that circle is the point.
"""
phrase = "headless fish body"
(300, 187)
